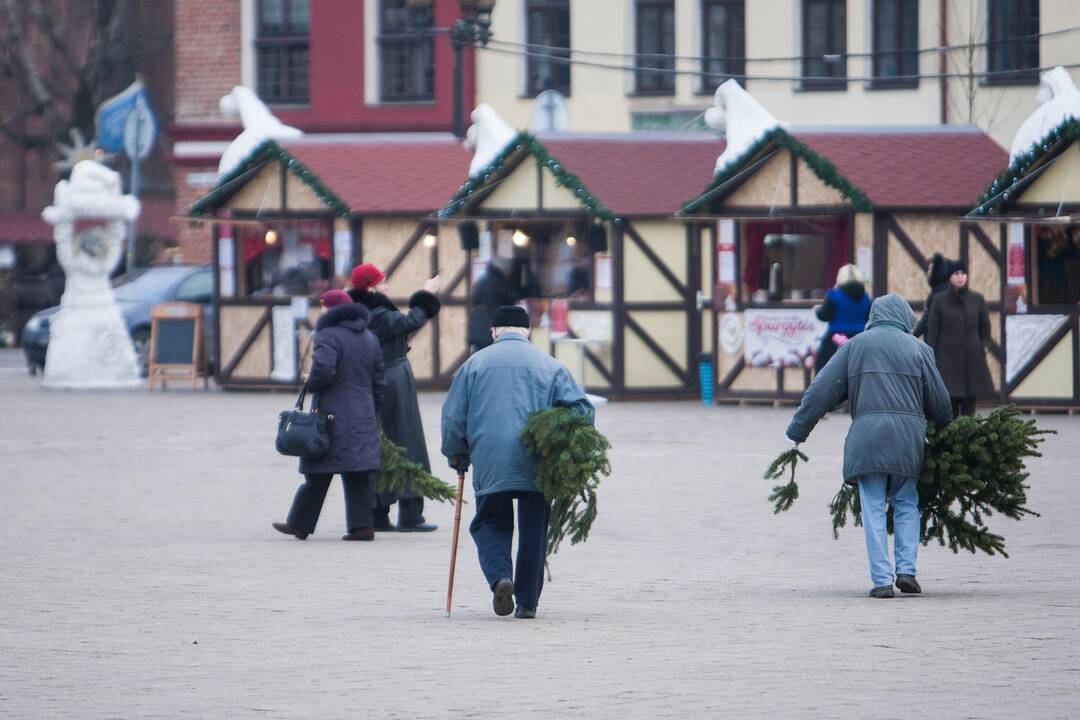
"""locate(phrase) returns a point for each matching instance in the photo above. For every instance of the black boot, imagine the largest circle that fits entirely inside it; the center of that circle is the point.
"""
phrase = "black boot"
(908, 584)
(882, 591)
(502, 601)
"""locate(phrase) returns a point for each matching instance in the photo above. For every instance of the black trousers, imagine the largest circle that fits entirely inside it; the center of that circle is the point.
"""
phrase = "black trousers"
(410, 512)
(307, 504)
(492, 530)
(962, 406)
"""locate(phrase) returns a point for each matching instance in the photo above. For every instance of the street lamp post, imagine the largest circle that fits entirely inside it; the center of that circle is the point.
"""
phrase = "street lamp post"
(474, 26)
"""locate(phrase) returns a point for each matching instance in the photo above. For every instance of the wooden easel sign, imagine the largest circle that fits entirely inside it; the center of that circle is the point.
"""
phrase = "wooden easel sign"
(175, 339)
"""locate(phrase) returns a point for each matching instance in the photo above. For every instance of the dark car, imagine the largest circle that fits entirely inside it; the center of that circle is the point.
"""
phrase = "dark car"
(136, 294)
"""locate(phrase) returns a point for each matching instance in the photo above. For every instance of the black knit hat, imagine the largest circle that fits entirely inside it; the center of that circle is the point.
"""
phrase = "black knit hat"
(510, 316)
(954, 266)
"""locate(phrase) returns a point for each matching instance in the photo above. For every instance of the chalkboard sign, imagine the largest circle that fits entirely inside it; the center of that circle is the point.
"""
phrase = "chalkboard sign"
(175, 337)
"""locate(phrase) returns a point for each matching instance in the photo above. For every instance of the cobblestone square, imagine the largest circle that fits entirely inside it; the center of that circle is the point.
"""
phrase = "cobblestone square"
(141, 578)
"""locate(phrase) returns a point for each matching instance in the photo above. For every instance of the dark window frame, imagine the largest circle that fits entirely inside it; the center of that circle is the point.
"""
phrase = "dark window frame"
(560, 72)
(1024, 41)
(411, 81)
(731, 58)
(904, 47)
(839, 82)
(284, 42)
(647, 82)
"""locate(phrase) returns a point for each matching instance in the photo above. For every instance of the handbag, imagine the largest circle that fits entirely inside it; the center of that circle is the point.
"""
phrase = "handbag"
(303, 434)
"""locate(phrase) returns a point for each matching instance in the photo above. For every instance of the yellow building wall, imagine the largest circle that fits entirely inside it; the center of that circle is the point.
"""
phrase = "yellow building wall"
(930, 233)
(299, 197)
(236, 323)
(769, 186)
(262, 192)
(811, 191)
(1053, 377)
(641, 280)
(643, 368)
(1059, 182)
(518, 191)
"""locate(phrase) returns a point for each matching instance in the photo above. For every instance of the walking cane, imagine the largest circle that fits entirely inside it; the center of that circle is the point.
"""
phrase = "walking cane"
(453, 546)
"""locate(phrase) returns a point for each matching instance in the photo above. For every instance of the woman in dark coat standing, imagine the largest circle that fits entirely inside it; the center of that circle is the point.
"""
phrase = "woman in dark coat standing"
(959, 331)
(400, 413)
(846, 309)
(347, 376)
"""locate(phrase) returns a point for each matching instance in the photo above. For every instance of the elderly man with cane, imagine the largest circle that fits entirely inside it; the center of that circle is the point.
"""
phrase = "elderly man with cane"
(892, 386)
(489, 403)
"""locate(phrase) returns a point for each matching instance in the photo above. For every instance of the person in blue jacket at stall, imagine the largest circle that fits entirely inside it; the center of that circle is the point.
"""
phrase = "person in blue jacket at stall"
(846, 309)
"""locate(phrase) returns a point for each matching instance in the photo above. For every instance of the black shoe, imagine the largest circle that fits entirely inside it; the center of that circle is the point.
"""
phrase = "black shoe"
(385, 526)
(360, 534)
(503, 600)
(419, 527)
(288, 529)
(524, 613)
(908, 584)
(882, 591)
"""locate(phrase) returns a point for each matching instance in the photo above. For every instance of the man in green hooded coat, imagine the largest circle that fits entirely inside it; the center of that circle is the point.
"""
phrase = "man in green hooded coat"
(892, 386)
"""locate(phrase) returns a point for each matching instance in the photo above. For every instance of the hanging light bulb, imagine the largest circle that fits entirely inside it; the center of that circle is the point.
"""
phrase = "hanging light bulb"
(430, 240)
(571, 240)
(271, 237)
(520, 239)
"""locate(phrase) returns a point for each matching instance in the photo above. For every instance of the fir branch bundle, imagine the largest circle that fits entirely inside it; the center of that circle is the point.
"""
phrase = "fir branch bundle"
(973, 467)
(571, 457)
(400, 475)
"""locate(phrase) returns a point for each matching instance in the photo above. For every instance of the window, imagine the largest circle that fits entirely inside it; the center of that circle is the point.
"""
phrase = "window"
(824, 36)
(655, 61)
(281, 47)
(896, 43)
(1013, 44)
(406, 52)
(1055, 272)
(723, 42)
(549, 27)
(794, 259)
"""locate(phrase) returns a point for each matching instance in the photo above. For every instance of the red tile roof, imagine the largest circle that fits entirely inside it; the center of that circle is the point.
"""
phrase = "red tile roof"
(23, 226)
(379, 175)
(912, 168)
(639, 173)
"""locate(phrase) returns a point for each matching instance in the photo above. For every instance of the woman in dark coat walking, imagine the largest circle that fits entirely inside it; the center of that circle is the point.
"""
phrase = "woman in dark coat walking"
(347, 376)
(959, 331)
(400, 413)
(846, 308)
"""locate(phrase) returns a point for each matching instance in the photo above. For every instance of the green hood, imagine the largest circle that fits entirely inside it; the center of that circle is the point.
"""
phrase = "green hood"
(892, 311)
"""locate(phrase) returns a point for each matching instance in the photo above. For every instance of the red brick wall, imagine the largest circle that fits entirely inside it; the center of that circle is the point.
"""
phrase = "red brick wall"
(208, 44)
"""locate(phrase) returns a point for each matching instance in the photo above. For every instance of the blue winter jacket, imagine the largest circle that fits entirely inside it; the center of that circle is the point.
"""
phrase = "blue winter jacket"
(846, 309)
(489, 403)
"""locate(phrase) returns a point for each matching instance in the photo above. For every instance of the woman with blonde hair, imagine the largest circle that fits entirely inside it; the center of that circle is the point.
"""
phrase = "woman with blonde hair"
(846, 309)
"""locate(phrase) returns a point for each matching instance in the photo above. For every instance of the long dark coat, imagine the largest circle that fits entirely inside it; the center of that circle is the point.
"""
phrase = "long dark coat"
(348, 379)
(490, 291)
(959, 331)
(400, 413)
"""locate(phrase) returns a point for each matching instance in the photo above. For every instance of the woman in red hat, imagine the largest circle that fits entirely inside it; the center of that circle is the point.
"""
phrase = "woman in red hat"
(400, 411)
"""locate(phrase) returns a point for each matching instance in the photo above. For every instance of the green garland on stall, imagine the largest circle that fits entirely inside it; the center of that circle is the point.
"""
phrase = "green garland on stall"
(400, 475)
(527, 143)
(1067, 131)
(973, 467)
(821, 167)
(270, 150)
(571, 458)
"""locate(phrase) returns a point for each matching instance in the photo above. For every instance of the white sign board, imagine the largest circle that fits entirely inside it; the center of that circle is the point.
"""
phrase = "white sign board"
(776, 338)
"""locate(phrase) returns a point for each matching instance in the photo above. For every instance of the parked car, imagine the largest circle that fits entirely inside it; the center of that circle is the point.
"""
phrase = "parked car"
(136, 294)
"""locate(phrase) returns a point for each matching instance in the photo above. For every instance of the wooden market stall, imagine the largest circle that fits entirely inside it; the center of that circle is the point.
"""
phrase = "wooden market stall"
(1032, 210)
(613, 279)
(796, 205)
(293, 219)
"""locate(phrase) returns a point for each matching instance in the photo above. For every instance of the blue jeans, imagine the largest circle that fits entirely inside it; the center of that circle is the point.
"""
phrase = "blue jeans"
(903, 495)
(492, 529)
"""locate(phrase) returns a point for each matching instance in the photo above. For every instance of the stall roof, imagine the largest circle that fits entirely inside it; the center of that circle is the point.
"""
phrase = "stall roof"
(624, 174)
(23, 226)
(898, 166)
(1025, 168)
(371, 174)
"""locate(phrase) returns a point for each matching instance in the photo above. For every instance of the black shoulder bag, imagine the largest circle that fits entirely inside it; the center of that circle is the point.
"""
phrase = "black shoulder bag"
(304, 434)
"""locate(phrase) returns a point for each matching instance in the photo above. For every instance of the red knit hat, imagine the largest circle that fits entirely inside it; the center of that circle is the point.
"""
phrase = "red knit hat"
(333, 298)
(366, 276)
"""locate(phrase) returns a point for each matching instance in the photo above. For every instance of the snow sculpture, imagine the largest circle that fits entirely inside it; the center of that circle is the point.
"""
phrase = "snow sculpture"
(740, 117)
(259, 125)
(488, 134)
(89, 345)
(1057, 99)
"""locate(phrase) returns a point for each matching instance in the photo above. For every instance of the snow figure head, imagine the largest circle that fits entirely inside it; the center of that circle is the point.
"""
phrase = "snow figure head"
(487, 137)
(740, 117)
(1056, 100)
(259, 125)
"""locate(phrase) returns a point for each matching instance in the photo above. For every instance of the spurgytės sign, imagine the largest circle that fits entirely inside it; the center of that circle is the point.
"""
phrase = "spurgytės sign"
(787, 338)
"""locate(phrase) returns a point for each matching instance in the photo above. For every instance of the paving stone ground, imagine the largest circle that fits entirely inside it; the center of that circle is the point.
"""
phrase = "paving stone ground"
(140, 578)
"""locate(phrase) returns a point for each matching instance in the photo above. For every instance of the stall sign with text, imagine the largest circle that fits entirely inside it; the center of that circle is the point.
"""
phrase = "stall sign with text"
(786, 338)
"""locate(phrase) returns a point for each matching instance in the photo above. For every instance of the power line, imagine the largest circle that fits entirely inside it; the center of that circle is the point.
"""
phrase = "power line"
(792, 58)
(547, 57)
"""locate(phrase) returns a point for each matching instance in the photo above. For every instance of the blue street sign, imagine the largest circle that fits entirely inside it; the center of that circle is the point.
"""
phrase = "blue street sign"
(112, 117)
